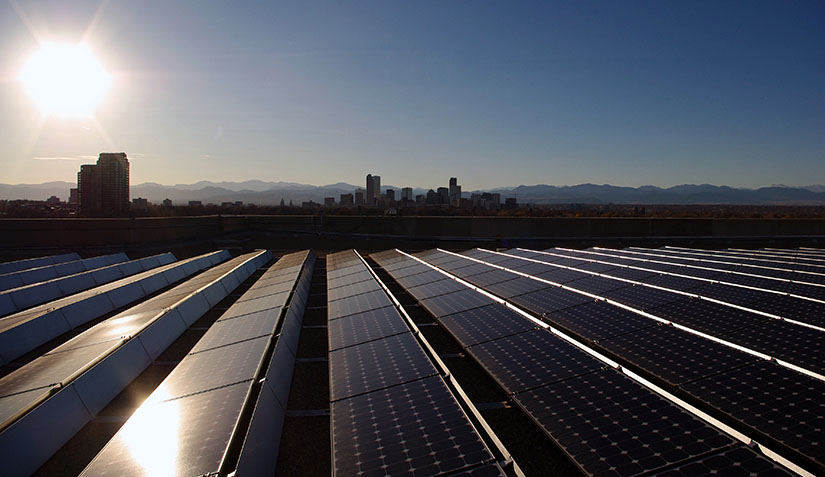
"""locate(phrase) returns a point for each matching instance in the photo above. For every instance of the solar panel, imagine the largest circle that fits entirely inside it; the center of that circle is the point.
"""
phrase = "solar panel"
(642, 297)
(357, 304)
(466, 299)
(377, 364)
(699, 272)
(562, 275)
(810, 291)
(795, 308)
(549, 300)
(518, 286)
(751, 281)
(782, 340)
(739, 460)
(777, 401)
(676, 356)
(469, 270)
(421, 279)
(488, 470)
(571, 262)
(702, 315)
(186, 436)
(537, 269)
(353, 289)
(415, 428)
(491, 277)
(532, 359)
(630, 273)
(362, 327)
(610, 425)
(214, 368)
(597, 285)
(731, 294)
(363, 275)
(485, 324)
(240, 329)
(672, 282)
(599, 320)
(435, 287)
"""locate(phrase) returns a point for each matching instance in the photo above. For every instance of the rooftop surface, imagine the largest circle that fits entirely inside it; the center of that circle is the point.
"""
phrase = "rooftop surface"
(596, 361)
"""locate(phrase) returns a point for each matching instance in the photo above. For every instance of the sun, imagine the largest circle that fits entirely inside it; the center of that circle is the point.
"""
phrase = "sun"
(65, 80)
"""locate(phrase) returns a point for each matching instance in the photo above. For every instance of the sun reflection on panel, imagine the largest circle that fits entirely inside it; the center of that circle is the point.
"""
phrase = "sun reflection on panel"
(152, 436)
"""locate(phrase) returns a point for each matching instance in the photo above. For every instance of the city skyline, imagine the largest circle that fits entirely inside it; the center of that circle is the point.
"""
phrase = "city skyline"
(499, 96)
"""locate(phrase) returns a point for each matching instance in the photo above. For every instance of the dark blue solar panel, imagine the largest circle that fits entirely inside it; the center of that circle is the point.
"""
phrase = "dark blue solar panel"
(737, 461)
(436, 288)
(599, 320)
(353, 289)
(777, 401)
(357, 304)
(698, 272)
(463, 300)
(549, 300)
(562, 275)
(798, 309)
(491, 277)
(802, 289)
(596, 267)
(642, 297)
(531, 359)
(672, 282)
(376, 365)
(534, 269)
(485, 324)
(731, 294)
(674, 355)
(421, 279)
(708, 317)
(610, 425)
(786, 341)
(412, 429)
(597, 285)
(363, 327)
(518, 286)
(630, 273)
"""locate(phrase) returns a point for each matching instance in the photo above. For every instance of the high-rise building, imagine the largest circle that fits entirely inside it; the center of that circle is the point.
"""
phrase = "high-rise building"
(455, 192)
(346, 199)
(370, 190)
(443, 195)
(391, 195)
(407, 194)
(359, 196)
(103, 188)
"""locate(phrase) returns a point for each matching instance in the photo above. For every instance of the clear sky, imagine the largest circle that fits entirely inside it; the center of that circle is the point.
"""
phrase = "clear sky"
(497, 93)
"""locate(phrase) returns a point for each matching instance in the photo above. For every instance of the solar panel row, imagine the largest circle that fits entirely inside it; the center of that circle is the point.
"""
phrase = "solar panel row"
(21, 298)
(65, 388)
(25, 264)
(242, 363)
(50, 272)
(26, 330)
(391, 411)
(636, 431)
(687, 362)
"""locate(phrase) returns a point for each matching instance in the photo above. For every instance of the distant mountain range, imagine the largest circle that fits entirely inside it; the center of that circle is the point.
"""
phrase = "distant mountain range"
(271, 193)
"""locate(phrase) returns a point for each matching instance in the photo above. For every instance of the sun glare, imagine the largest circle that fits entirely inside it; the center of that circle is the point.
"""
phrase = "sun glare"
(65, 80)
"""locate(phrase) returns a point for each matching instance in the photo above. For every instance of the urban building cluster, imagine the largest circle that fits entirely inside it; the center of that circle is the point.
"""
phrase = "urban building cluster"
(371, 196)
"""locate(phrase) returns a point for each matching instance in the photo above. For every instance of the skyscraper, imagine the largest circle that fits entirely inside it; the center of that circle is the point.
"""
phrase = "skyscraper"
(103, 188)
(455, 192)
(370, 190)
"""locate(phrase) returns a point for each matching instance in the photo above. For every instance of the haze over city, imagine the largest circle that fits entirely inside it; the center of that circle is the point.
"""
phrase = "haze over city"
(498, 94)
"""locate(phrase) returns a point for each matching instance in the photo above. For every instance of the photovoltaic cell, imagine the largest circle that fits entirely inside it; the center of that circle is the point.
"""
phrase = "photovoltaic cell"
(351, 290)
(532, 359)
(801, 289)
(642, 297)
(731, 294)
(630, 273)
(542, 269)
(737, 461)
(376, 365)
(673, 282)
(708, 317)
(485, 324)
(411, 429)
(676, 356)
(518, 286)
(794, 308)
(562, 275)
(357, 304)
(597, 285)
(777, 401)
(491, 277)
(610, 425)
(786, 341)
(361, 276)
(549, 300)
(596, 267)
(488, 470)
(421, 279)
(599, 320)
(362, 327)
(466, 299)
(435, 287)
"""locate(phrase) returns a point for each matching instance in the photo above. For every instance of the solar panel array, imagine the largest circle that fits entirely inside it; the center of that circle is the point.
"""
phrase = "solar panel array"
(66, 387)
(684, 362)
(606, 422)
(243, 363)
(50, 272)
(391, 411)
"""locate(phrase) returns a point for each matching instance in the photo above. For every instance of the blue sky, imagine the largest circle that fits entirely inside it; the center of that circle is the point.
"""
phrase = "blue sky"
(495, 93)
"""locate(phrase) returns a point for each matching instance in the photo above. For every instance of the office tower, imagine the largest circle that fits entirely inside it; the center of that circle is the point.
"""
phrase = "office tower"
(376, 187)
(103, 188)
(329, 201)
(443, 195)
(455, 191)
(346, 199)
(359, 196)
(407, 194)
(370, 197)
(390, 195)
